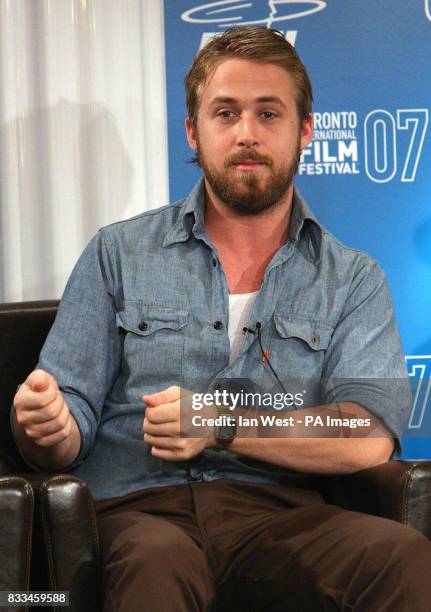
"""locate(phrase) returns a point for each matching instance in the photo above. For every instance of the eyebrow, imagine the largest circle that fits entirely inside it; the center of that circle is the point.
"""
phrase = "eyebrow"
(229, 100)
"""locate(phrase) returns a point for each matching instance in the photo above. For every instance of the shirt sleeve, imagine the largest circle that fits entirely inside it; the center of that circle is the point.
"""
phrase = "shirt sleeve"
(364, 362)
(83, 349)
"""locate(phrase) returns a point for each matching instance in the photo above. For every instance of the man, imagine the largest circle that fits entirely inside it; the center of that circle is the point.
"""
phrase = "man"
(158, 303)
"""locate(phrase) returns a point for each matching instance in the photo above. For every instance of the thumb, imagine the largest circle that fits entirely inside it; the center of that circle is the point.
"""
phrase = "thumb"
(171, 394)
(151, 400)
(39, 380)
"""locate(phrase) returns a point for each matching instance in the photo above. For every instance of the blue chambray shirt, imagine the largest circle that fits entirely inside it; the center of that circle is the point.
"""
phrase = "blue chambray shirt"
(138, 315)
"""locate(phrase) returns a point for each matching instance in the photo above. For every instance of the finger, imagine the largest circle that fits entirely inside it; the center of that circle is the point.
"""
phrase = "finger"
(45, 414)
(53, 426)
(166, 413)
(167, 454)
(161, 429)
(173, 443)
(166, 396)
(55, 438)
(27, 399)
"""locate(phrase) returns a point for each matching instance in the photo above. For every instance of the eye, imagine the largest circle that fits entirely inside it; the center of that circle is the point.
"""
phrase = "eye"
(269, 115)
(225, 114)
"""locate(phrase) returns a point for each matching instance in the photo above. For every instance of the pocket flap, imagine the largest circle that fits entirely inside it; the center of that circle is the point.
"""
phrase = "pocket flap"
(315, 333)
(144, 319)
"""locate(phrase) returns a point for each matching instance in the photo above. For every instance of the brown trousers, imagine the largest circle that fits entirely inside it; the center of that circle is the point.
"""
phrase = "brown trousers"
(230, 545)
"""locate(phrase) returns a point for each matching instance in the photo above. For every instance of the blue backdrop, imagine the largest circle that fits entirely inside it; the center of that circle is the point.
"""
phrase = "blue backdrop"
(367, 173)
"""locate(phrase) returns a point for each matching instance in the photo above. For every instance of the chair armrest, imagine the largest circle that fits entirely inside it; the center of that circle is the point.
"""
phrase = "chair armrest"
(16, 528)
(66, 518)
(398, 490)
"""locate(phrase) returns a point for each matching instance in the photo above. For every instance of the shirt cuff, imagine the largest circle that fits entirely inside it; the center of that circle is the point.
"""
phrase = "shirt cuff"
(390, 402)
(79, 409)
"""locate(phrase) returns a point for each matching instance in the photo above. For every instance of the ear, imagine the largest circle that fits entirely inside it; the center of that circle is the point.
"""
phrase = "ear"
(191, 134)
(306, 131)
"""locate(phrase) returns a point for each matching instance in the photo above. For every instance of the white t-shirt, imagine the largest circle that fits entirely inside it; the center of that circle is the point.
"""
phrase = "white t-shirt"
(240, 306)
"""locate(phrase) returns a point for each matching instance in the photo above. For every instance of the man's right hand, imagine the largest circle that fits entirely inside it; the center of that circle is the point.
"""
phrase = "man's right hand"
(41, 410)
(44, 427)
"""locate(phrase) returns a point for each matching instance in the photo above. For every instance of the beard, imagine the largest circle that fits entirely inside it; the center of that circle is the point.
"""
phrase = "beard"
(246, 193)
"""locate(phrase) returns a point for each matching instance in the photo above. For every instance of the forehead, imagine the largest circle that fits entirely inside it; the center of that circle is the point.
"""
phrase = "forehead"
(241, 78)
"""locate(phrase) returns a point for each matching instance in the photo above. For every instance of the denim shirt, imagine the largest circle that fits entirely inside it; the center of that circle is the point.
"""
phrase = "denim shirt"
(138, 314)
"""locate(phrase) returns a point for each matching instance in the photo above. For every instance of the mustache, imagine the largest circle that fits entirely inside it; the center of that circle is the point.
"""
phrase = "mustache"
(236, 158)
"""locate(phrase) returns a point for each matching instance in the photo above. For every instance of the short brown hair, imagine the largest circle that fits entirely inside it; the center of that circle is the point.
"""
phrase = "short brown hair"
(257, 44)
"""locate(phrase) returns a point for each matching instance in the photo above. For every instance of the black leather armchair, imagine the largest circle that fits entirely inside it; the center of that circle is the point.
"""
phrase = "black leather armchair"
(65, 533)
(16, 531)
(64, 555)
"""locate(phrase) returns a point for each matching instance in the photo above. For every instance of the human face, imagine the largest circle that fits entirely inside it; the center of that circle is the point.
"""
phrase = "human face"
(248, 135)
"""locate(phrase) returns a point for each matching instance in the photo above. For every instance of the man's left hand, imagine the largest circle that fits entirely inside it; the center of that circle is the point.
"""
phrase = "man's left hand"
(162, 427)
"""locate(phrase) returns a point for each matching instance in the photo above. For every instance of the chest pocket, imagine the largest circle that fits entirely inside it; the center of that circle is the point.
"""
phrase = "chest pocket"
(297, 347)
(316, 335)
(153, 343)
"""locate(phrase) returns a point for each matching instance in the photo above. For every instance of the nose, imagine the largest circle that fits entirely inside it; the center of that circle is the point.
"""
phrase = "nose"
(247, 132)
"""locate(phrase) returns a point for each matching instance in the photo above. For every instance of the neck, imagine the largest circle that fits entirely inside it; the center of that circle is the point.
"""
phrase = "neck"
(261, 233)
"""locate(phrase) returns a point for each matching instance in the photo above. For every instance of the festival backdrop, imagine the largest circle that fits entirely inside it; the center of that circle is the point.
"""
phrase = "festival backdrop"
(367, 173)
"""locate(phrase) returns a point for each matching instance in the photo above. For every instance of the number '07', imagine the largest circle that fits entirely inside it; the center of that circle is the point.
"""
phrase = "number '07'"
(380, 138)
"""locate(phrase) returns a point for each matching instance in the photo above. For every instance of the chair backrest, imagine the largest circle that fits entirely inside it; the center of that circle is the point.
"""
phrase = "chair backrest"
(23, 329)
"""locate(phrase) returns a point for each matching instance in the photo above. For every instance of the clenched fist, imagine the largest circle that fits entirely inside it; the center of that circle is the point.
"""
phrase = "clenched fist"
(41, 411)
(162, 426)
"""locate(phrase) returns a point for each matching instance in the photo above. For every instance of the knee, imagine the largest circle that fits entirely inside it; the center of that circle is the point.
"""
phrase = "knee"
(393, 537)
(166, 546)
(390, 548)
(152, 559)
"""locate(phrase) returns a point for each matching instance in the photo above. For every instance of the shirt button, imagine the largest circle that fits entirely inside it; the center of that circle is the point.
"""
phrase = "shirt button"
(218, 325)
(143, 325)
(214, 262)
(315, 338)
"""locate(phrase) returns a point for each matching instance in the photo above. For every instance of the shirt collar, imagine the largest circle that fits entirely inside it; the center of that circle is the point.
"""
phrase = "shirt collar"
(191, 214)
(192, 211)
(303, 221)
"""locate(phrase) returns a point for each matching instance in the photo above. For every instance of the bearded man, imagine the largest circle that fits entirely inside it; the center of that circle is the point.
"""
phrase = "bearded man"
(236, 287)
